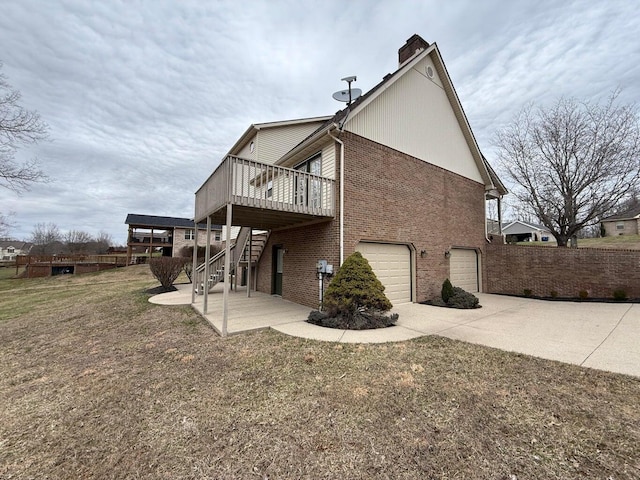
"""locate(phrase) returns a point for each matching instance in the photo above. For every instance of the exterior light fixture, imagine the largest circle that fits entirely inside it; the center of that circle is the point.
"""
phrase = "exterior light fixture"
(447, 254)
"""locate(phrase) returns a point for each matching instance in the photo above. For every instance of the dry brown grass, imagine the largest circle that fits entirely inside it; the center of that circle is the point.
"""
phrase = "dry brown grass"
(95, 382)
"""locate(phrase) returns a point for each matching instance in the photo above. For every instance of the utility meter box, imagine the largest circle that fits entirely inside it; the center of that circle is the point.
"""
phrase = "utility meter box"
(321, 266)
(329, 270)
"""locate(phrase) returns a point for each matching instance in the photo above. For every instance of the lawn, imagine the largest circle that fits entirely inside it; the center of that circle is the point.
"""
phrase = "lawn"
(95, 382)
(628, 242)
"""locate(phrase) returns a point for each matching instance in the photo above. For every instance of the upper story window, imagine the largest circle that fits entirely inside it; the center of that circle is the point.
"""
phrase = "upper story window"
(11, 250)
(270, 189)
(217, 235)
(620, 226)
(189, 235)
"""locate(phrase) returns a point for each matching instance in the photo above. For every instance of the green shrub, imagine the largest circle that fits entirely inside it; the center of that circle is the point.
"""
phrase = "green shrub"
(527, 292)
(355, 288)
(354, 299)
(619, 294)
(166, 269)
(583, 294)
(447, 290)
(463, 299)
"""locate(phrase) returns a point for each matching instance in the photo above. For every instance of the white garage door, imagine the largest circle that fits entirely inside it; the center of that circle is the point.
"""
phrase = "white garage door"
(463, 266)
(392, 265)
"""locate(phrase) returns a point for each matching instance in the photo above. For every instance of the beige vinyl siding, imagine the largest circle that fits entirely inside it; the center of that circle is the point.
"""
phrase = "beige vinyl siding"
(413, 115)
(329, 160)
(246, 152)
(273, 143)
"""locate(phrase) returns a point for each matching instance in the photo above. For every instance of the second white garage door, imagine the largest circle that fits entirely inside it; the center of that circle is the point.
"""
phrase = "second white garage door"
(463, 266)
(392, 265)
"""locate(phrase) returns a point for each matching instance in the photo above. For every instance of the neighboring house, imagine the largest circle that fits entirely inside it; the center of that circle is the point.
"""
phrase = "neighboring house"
(397, 175)
(627, 223)
(519, 231)
(165, 236)
(10, 249)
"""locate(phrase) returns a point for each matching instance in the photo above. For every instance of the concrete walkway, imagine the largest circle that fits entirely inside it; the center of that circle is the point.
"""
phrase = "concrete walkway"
(605, 336)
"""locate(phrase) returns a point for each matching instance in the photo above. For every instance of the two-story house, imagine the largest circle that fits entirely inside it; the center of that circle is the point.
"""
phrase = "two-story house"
(396, 175)
(10, 249)
(166, 236)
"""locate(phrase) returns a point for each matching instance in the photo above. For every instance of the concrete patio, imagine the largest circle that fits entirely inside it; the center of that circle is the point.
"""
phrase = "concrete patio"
(605, 336)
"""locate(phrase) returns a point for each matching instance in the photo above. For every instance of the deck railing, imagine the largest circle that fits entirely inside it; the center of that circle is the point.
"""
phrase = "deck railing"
(249, 183)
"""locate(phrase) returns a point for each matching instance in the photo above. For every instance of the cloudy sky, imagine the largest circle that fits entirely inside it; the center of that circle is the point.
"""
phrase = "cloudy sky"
(144, 98)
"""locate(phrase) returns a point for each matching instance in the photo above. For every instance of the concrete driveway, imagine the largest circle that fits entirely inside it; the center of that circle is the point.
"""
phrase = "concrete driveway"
(598, 335)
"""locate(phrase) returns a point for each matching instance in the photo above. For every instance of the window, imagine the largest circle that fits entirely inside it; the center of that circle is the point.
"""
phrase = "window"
(11, 250)
(270, 189)
(308, 191)
(189, 235)
(620, 226)
(217, 235)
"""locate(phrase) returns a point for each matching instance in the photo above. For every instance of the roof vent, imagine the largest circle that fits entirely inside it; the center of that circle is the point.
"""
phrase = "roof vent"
(429, 71)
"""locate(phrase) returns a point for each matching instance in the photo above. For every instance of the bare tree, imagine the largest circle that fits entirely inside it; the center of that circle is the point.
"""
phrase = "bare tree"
(45, 237)
(573, 162)
(77, 241)
(18, 127)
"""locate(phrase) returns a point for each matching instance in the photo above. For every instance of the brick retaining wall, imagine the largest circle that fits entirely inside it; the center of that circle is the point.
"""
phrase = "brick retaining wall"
(513, 268)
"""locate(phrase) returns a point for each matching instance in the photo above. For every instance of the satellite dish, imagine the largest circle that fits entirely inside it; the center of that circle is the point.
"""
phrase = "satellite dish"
(347, 96)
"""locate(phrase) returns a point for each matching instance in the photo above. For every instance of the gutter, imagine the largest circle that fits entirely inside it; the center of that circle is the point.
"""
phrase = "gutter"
(341, 190)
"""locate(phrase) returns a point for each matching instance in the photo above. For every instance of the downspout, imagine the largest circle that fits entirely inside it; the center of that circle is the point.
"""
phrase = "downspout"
(341, 192)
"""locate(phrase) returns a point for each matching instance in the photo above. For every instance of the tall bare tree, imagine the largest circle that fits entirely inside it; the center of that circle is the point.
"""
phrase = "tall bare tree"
(573, 162)
(45, 237)
(18, 127)
(77, 241)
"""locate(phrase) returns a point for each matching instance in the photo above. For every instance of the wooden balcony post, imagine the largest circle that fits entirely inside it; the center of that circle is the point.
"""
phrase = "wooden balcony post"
(227, 272)
(207, 274)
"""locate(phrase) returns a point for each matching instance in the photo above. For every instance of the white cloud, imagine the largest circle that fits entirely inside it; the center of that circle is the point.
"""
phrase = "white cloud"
(144, 98)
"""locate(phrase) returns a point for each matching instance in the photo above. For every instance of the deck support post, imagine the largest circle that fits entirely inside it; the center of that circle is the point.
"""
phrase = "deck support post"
(194, 264)
(205, 280)
(249, 264)
(227, 271)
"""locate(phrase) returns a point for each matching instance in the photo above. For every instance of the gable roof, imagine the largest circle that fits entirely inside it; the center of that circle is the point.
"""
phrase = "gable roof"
(532, 226)
(17, 244)
(164, 222)
(630, 214)
(489, 176)
(255, 127)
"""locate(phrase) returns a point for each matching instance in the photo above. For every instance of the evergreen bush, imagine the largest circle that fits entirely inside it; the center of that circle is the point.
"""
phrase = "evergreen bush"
(355, 288)
(462, 299)
(447, 290)
(354, 299)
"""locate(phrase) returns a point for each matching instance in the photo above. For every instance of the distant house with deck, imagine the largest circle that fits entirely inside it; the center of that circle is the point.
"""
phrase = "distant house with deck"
(166, 236)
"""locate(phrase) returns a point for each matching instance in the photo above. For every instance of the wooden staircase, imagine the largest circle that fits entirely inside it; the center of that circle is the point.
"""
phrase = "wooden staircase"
(240, 257)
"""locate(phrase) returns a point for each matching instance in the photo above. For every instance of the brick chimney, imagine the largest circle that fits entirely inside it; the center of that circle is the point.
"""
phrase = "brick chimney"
(414, 45)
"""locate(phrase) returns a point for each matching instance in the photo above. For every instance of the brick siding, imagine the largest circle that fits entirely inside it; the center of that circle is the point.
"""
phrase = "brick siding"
(511, 269)
(389, 197)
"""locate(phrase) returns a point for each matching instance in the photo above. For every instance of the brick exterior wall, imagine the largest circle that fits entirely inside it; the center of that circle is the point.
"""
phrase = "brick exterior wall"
(631, 227)
(511, 269)
(179, 240)
(389, 197)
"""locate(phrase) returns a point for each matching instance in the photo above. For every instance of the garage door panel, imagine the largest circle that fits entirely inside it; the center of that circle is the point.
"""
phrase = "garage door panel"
(392, 265)
(463, 267)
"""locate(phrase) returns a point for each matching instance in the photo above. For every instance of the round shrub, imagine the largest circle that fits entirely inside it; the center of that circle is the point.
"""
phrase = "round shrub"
(462, 299)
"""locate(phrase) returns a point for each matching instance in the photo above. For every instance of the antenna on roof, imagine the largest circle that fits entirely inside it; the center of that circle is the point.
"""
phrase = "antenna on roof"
(349, 95)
